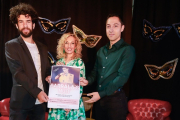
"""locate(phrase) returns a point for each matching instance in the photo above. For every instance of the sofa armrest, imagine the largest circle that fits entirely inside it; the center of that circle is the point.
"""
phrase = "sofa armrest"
(129, 116)
(168, 118)
(4, 118)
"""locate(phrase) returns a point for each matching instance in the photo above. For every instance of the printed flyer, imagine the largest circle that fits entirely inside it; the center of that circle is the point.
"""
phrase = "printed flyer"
(64, 89)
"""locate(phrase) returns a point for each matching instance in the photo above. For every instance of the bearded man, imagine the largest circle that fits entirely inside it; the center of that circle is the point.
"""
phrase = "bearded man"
(28, 62)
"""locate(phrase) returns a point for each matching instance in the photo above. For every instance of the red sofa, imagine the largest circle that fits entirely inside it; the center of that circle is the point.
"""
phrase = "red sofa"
(148, 109)
(4, 109)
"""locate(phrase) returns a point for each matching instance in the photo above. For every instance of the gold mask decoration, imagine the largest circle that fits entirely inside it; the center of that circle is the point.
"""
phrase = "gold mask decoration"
(166, 71)
(89, 40)
(176, 26)
(49, 26)
(154, 33)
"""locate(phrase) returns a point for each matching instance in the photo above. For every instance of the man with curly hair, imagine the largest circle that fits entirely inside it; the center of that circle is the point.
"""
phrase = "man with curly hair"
(28, 62)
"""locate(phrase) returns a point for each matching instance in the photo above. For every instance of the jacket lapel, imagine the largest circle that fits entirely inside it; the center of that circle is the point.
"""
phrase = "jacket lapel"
(43, 65)
(41, 56)
(23, 44)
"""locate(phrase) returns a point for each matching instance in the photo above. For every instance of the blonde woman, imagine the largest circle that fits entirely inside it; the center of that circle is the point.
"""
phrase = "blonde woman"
(69, 53)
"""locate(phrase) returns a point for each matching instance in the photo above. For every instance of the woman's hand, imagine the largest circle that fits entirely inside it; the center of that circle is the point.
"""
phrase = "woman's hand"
(67, 111)
(48, 79)
(83, 81)
(59, 63)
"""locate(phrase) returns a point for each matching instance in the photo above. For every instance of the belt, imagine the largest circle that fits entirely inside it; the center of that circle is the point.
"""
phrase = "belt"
(117, 90)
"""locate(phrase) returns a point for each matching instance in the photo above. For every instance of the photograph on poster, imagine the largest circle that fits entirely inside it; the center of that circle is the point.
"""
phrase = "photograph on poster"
(64, 88)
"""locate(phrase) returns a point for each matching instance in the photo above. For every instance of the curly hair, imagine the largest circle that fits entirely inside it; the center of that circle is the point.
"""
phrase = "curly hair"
(61, 44)
(22, 9)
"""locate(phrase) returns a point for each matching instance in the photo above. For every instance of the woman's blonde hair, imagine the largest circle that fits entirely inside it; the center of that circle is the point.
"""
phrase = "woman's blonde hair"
(60, 47)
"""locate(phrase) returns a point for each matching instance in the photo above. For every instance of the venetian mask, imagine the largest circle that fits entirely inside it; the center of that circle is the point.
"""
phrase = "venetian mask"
(166, 71)
(176, 26)
(154, 33)
(51, 58)
(89, 40)
(59, 26)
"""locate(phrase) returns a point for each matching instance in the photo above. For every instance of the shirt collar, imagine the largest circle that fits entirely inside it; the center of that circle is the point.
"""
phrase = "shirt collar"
(116, 45)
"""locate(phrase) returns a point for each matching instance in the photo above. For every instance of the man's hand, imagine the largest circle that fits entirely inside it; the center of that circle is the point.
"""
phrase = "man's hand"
(42, 97)
(95, 97)
(83, 81)
(48, 79)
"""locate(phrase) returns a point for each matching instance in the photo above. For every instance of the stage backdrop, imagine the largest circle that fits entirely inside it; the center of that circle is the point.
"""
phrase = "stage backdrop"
(160, 13)
(88, 15)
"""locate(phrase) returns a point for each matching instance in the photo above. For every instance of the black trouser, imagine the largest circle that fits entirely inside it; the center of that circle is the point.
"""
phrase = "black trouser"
(36, 113)
(113, 107)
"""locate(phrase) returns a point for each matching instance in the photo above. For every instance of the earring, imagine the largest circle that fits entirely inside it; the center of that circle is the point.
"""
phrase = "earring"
(75, 50)
(63, 51)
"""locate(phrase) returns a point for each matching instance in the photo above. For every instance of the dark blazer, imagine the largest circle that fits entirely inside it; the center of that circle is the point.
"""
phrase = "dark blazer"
(24, 91)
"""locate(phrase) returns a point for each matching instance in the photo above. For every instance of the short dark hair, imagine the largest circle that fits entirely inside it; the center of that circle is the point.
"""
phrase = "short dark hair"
(115, 15)
(22, 9)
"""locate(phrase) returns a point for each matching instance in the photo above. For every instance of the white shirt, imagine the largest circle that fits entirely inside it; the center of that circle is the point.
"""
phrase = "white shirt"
(37, 62)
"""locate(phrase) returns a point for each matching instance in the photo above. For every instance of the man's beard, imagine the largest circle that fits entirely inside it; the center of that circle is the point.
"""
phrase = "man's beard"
(26, 35)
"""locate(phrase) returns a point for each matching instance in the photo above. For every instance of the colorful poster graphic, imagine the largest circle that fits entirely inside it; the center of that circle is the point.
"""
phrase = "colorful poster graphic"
(64, 89)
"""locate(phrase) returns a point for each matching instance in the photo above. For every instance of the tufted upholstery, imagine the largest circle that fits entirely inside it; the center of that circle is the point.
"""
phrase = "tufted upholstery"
(148, 109)
(4, 109)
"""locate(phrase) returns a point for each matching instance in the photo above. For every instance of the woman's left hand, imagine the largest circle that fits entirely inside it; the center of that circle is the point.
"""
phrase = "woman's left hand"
(67, 111)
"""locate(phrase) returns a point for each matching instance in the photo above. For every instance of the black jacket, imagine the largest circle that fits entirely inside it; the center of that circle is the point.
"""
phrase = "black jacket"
(25, 84)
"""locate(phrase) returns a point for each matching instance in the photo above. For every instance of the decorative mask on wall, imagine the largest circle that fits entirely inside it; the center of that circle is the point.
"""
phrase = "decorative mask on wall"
(166, 71)
(176, 26)
(154, 33)
(89, 40)
(51, 58)
(59, 26)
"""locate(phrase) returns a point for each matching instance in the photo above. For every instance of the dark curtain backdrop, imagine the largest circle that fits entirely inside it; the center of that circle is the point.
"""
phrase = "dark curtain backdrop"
(88, 15)
(159, 13)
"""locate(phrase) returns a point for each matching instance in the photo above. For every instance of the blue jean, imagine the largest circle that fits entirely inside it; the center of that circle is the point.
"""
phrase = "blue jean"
(113, 107)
